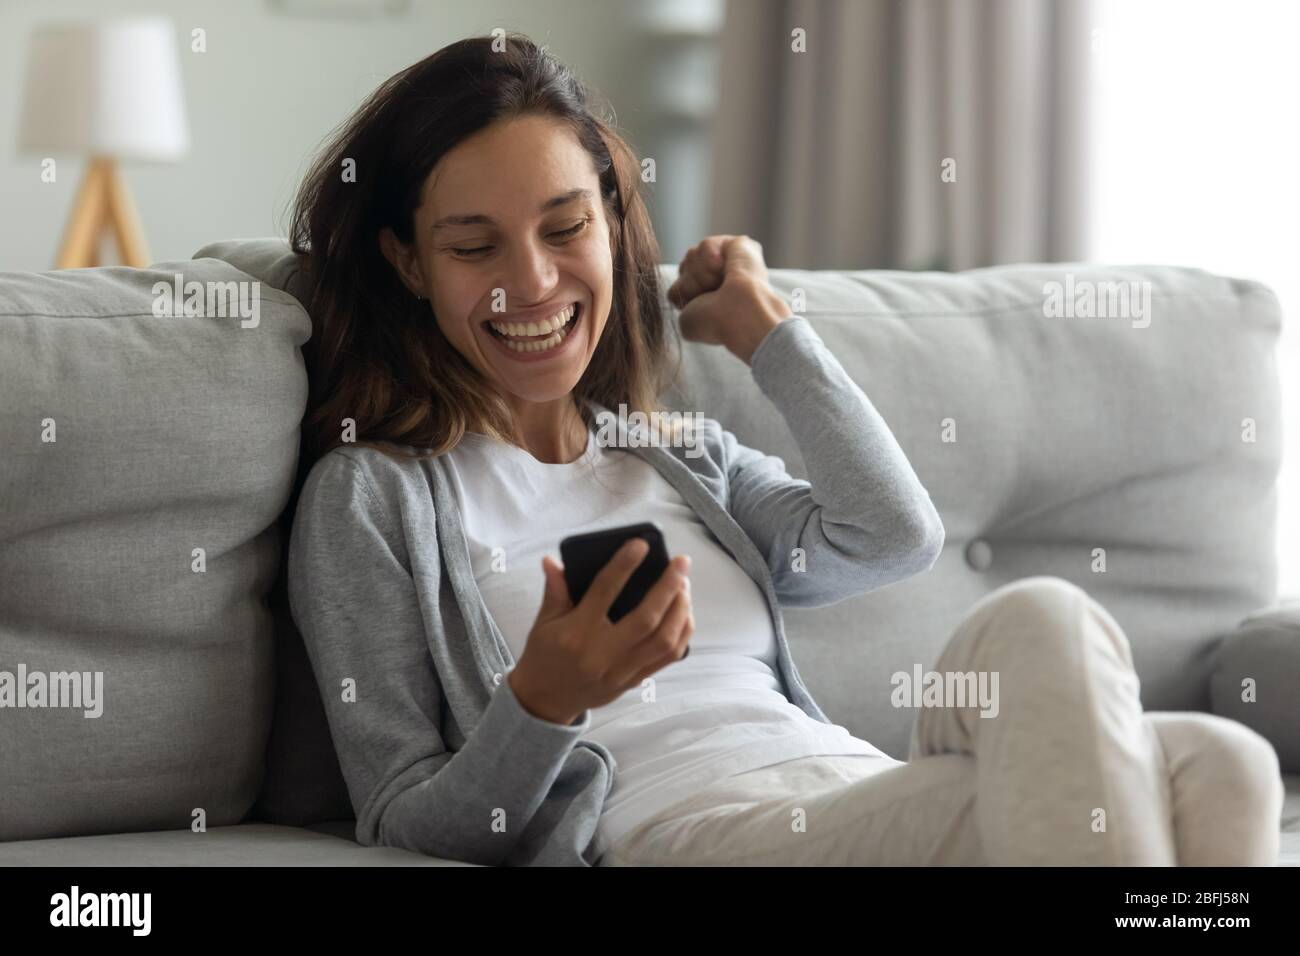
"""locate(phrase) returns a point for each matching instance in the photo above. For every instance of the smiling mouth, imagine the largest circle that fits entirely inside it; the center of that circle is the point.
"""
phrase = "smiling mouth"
(537, 336)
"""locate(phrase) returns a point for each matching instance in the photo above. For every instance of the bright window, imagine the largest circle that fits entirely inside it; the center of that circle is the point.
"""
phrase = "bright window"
(1194, 149)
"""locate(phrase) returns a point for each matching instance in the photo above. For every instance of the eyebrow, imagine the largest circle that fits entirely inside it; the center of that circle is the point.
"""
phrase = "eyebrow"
(479, 219)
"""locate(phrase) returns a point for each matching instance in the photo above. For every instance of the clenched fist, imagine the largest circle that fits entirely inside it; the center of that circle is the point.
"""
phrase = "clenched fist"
(724, 296)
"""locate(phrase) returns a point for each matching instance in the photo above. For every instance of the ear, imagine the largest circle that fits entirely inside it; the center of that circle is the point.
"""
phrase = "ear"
(404, 260)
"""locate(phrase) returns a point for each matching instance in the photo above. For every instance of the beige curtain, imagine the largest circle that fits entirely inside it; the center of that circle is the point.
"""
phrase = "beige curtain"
(834, 157)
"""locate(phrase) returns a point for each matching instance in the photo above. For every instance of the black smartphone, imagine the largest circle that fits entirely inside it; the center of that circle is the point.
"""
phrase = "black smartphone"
(584, 555)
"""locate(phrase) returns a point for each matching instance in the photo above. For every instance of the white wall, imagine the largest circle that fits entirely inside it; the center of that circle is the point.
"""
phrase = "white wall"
(269, 88)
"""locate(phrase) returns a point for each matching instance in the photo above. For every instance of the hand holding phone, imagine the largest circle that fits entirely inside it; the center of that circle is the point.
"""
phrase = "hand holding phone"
(585, 554)
(577, 655)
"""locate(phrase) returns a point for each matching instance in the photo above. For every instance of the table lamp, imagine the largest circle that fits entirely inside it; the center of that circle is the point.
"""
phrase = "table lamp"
(110, 91)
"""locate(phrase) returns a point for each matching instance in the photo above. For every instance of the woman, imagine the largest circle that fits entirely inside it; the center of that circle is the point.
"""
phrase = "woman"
(483, 283)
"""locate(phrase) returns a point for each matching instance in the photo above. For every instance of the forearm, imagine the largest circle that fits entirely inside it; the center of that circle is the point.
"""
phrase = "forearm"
(859, 474)
(474, 804)
(862, 519)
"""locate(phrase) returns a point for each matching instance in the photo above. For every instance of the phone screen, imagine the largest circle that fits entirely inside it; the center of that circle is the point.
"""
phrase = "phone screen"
(584, 555)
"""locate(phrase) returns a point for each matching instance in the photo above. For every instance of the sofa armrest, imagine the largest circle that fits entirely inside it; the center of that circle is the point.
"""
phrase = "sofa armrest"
(1264, 649)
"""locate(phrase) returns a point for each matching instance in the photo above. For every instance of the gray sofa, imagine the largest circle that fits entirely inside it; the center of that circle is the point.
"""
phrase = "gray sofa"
(149, 460)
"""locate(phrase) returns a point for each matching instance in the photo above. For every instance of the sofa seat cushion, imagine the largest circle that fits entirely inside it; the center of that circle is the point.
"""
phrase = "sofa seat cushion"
(329, 844)
(250, 844)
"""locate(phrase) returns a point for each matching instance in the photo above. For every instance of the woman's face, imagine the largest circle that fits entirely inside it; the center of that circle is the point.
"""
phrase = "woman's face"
(512, 251)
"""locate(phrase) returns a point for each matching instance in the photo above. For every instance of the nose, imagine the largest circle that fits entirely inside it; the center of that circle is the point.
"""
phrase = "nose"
(532, 274)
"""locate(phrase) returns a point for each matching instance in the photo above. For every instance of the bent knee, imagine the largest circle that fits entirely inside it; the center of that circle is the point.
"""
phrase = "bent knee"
(1041, 597)
(1245, 756)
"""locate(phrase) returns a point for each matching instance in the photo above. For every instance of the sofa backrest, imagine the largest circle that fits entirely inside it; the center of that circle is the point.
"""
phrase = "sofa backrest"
(1133, 454)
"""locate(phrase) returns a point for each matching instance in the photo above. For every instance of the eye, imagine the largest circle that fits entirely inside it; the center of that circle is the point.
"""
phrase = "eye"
(564, 234)
(572, 230)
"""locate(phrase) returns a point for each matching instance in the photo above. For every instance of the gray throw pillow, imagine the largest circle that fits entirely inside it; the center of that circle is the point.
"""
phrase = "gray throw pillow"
(148, 454)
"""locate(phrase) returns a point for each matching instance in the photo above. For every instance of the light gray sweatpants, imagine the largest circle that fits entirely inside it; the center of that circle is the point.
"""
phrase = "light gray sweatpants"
(1070, 772)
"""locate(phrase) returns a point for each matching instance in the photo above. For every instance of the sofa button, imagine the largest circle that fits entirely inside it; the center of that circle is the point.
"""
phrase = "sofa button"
(979, 555)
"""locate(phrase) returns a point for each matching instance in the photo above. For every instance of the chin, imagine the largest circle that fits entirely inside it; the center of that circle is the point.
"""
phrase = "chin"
(540, 392)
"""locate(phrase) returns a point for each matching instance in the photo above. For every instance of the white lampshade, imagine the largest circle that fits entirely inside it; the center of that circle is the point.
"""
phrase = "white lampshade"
(108, 89)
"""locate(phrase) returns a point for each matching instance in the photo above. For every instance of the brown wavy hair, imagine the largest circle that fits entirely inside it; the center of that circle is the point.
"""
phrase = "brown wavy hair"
(375, 356)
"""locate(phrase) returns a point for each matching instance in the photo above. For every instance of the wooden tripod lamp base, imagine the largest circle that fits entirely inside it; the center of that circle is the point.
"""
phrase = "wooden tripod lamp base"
(103, 203)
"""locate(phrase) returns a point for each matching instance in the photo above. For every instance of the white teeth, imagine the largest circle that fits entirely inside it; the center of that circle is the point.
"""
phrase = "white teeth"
(554, 323)
(538, 345)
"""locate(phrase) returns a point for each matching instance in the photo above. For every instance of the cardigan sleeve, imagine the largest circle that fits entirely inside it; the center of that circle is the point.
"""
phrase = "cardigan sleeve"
(354, 600)
(862, 519)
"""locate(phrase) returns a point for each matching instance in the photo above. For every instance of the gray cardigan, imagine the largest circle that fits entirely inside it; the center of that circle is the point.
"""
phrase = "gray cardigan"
(438, 754)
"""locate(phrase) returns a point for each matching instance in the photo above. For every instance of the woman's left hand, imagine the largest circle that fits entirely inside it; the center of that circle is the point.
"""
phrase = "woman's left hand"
(724, 296)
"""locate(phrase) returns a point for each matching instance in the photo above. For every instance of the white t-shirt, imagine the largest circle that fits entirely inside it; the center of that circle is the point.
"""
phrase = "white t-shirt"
(718, 712)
